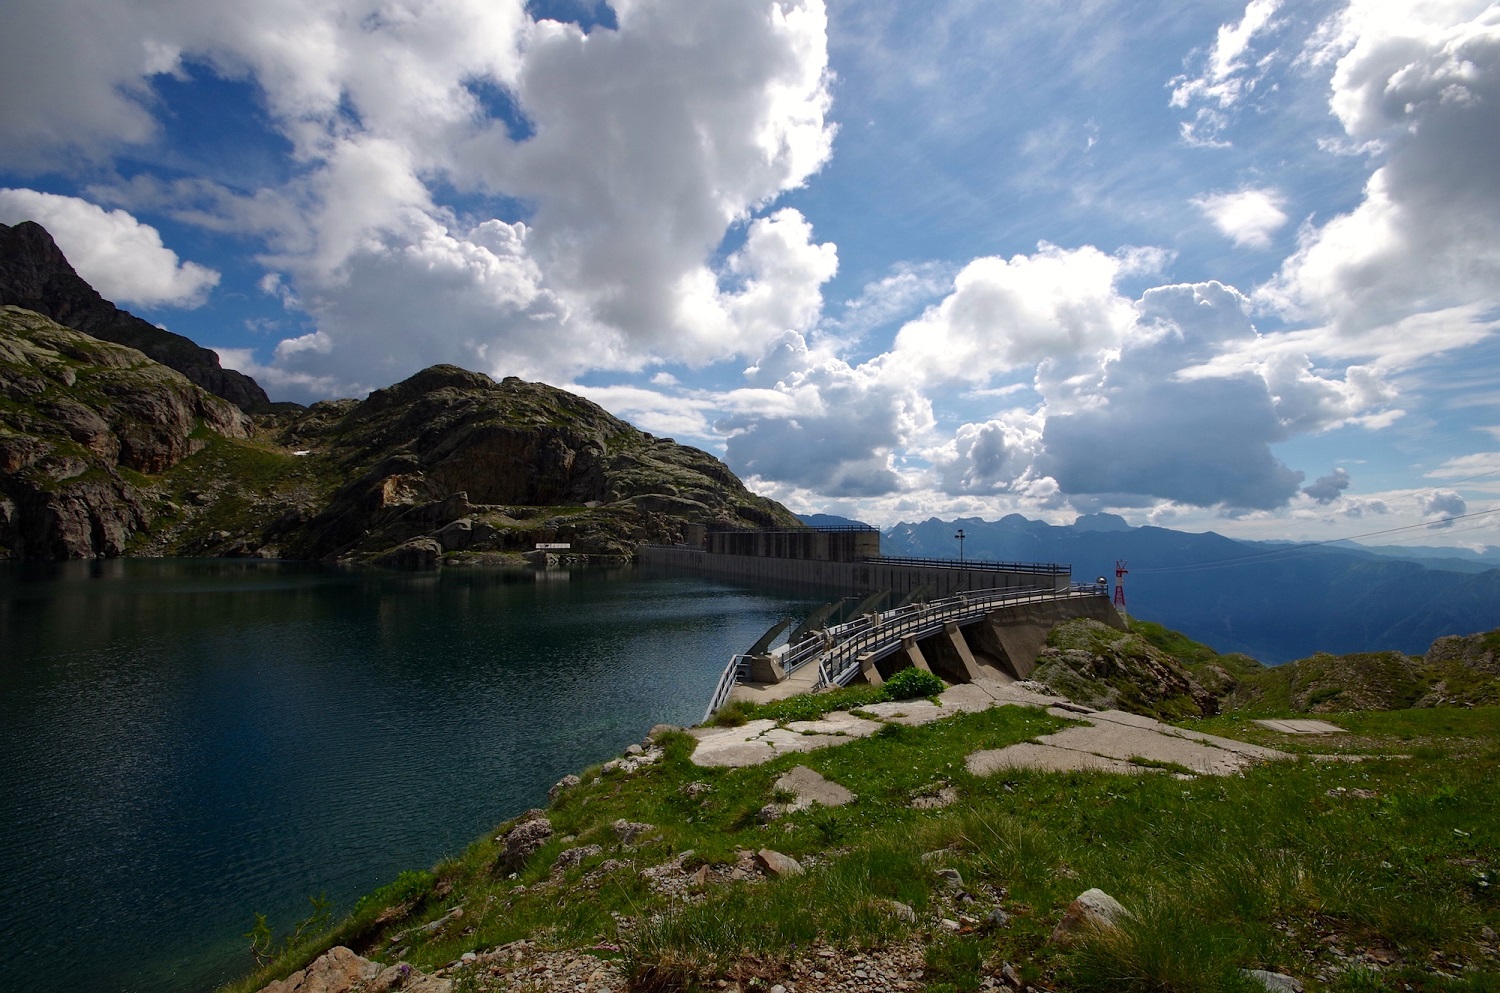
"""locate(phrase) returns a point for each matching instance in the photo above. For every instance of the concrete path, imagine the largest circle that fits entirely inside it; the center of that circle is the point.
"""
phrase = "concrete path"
(1301, 726)
(1108, 740)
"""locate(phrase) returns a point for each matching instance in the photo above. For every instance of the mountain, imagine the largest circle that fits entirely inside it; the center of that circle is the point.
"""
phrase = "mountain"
(104, 452)
(36, 276)
(1275, 603)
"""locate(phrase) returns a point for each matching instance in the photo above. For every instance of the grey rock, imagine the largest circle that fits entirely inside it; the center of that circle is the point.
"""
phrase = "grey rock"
(1091, 910)
(566, 783)
(1274, 982)
(574, 856)
(776, 864)
(417, 555)
(629, 831)
(523, 841)
(951, 878)
(900, 911)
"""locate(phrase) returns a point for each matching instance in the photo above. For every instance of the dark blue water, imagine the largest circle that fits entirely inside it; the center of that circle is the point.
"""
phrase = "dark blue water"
(187, 743)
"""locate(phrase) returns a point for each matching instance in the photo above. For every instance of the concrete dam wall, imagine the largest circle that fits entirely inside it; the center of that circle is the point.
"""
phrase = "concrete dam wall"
(901, 577)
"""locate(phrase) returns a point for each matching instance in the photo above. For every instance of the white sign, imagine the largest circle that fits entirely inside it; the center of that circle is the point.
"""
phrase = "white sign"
(552, 546)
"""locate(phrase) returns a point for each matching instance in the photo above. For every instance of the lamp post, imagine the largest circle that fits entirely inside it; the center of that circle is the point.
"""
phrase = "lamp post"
(960, 537)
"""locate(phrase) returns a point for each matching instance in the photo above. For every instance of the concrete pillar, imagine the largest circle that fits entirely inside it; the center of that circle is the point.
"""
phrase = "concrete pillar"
(961, 653)
(765, 669)
(914, 653)
(870, 670)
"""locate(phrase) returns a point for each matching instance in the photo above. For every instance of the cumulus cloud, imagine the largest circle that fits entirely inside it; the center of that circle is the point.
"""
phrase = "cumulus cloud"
(118, 255)
(1327, 489)
(1419, 86)
(1247, 217)
(1006, 313)
(608, 166)
(833, 428)
(1445, 505)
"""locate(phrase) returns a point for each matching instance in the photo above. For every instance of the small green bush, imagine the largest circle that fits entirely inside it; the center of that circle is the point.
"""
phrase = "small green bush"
(910, 683)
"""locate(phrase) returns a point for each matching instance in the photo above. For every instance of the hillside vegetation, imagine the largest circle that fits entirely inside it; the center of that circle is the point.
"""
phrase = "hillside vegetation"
(106, 452)
(651, 873)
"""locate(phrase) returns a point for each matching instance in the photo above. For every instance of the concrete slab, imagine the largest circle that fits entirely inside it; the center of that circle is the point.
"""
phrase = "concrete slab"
(1123, 742)
(966, 698)
(909, 712)
(1230, 745)
(1030, 755)
(1009, 691)
(732, 754)
(1301, 726)
(837, 723)
(810, 787)
(801, 681)
(1129, 720)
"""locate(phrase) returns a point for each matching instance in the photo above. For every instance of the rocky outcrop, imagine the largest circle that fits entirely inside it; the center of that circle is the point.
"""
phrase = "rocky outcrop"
(81, 420)
(1097, 665)
(447, 465)
(35, 275)
(477, 466)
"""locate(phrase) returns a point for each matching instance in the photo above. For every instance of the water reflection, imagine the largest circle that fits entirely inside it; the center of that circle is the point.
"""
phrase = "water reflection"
(188, 742)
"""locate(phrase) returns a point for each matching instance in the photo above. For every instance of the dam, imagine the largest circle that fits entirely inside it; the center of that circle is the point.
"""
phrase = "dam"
(960, 619)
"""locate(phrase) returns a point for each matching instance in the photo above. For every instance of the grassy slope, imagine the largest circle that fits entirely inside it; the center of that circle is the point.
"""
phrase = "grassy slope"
(1352, 876)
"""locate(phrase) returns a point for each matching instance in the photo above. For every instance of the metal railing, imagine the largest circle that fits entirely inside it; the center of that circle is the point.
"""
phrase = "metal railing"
(838, 650)
(975, 565)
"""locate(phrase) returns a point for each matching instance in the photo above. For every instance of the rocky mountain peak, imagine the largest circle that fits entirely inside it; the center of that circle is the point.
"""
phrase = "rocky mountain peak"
(35, 275)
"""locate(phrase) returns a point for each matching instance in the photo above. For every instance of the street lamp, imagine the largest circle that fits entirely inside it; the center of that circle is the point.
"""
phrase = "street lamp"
(960, 537)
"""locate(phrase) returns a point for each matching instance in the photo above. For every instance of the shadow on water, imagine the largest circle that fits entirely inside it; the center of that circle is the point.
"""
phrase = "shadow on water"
(188, 742)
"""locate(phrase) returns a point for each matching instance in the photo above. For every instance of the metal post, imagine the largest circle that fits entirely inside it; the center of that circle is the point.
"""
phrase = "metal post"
(960, 537)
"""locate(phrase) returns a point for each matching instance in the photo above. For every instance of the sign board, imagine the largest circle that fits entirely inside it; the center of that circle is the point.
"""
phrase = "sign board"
(552, 546)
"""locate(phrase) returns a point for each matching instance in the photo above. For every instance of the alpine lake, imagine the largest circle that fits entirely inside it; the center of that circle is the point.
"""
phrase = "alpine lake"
(187, 743)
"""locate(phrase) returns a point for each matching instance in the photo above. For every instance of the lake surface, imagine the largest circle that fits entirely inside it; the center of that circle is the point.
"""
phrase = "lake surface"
(186, 743)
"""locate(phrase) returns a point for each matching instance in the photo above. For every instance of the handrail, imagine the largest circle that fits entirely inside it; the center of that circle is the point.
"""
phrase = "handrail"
(837, 649)
(974, 565)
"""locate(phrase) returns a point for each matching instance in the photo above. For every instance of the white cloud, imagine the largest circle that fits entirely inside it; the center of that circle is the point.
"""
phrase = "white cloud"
(119, 256)
(632, 154)
(908, 286)
(1419, 84)
(834, 428)
(1444, 505)
(1004, 314)
(1227, 75)
(1248, 217)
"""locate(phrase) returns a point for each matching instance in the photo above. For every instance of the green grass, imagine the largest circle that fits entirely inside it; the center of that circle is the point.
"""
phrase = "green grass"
(1285, 868)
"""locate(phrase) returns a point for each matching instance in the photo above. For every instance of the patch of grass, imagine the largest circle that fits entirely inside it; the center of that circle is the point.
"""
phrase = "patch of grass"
(1270, 869)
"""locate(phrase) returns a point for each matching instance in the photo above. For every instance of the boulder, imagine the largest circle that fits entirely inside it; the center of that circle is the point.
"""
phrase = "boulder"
(335, 971)
(416, 555)
(773, 863)
(629, 831)
(523, 841)
(1091, 911)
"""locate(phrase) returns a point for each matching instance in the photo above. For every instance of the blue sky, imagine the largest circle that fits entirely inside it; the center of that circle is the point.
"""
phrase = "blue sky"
(1219, 265)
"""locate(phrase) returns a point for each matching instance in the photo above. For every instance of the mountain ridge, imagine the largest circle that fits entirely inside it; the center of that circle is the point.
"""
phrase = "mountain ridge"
(106, 452)
(1274, 603)
(36, 276)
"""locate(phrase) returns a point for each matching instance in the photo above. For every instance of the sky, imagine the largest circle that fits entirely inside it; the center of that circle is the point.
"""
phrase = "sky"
(1210, 266)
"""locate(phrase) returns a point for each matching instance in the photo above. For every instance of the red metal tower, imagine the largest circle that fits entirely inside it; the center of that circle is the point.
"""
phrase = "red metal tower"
(1120, 572)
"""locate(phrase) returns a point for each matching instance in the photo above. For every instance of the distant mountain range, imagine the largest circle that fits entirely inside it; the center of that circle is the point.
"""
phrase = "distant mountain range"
(1272, 601)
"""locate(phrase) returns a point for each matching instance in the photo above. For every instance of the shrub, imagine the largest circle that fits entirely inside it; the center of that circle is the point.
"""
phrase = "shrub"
(908, 684)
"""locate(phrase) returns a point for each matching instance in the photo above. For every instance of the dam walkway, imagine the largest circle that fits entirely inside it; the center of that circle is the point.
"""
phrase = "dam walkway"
(845, 653)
